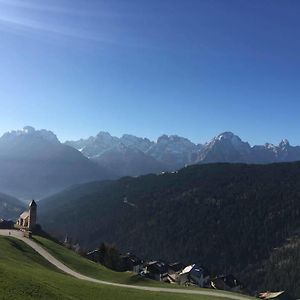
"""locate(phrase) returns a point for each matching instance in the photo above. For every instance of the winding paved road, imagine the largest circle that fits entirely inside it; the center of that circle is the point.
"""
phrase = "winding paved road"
(19, 235)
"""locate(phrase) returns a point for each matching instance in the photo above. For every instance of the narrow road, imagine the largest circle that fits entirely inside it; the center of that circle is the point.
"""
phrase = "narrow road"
(39, 249)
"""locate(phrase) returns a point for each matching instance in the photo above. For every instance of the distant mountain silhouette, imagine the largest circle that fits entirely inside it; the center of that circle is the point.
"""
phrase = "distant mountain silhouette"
(33, 163)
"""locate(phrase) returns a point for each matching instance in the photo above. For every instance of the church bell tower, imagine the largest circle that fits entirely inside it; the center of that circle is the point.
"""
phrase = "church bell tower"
(32, 214)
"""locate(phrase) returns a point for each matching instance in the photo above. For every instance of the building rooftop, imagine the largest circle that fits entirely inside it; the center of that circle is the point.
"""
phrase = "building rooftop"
(32, 203)
(24, 215)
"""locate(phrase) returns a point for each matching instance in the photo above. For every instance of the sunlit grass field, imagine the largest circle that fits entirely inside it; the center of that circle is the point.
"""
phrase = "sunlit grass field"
(24, 274)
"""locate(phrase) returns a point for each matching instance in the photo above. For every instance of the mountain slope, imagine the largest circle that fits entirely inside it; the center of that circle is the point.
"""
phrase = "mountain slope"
(33, 163)
(38, 279)
(168, 153)
(204, 210)
(103, 141)
(174, 151)
(95, 146)
(226, 147)
(10, 207)
(128, 162)
(133, 142)
(125, 156)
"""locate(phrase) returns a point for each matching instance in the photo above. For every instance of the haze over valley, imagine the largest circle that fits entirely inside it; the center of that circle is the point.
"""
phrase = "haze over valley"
(53, 165)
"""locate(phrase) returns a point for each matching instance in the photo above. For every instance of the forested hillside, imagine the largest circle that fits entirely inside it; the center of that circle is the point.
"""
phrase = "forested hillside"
(229, 217)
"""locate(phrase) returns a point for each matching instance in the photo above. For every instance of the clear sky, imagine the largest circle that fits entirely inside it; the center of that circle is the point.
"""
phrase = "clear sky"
(189, 67)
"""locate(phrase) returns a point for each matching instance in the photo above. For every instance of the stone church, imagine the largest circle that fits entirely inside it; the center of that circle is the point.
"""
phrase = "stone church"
(27, 219)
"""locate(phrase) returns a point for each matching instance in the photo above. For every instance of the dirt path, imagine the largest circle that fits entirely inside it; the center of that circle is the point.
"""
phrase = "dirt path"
(39, 249)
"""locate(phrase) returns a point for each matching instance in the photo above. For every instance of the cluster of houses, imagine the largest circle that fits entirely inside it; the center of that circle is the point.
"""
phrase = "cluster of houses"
(177, 273)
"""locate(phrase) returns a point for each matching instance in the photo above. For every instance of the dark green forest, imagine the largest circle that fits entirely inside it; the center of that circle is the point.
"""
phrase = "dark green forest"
(232, 218)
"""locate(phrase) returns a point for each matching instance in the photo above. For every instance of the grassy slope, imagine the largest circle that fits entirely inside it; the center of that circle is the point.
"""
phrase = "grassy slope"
(26, 275)
(92, 269)
(89, 268)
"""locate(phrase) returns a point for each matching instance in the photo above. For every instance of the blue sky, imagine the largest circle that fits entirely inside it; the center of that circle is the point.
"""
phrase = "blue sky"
(193, 68)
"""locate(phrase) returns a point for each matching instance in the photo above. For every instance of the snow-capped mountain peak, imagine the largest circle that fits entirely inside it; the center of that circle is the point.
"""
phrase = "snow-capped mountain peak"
(284, 143)
(225, 147)
(231, 139)
(270, 146)
(226, 135)
(174, 151)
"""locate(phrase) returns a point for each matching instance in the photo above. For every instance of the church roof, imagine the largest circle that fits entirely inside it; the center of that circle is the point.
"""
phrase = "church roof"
(32, 203)
(24, 215)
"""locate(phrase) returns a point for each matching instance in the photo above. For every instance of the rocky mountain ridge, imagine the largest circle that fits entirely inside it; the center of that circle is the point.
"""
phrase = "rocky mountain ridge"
(174, 152)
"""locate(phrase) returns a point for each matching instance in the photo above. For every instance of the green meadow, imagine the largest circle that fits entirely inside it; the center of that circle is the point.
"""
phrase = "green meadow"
(24, 274)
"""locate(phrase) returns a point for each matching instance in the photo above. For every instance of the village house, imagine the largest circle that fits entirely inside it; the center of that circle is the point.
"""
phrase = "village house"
(227, 283)
(157, 270)
(132, 263)
(194, 274)
(271, 295)
(27, 219)
(174, 269)
(93, 255)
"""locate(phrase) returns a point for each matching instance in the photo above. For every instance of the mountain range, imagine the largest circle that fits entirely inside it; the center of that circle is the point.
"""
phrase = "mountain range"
(34, 163)
(174, 152)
